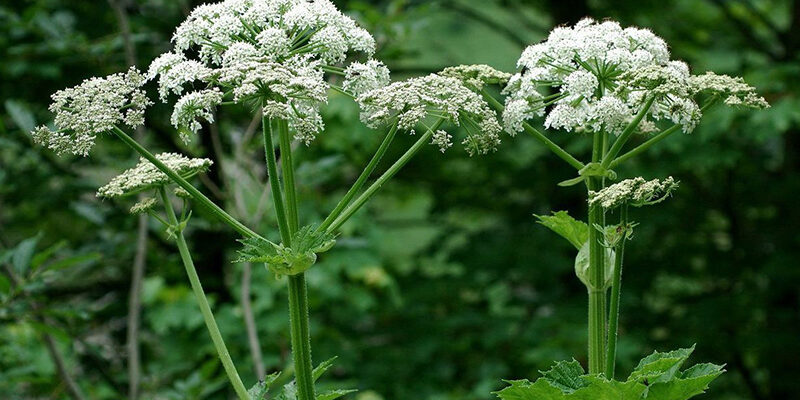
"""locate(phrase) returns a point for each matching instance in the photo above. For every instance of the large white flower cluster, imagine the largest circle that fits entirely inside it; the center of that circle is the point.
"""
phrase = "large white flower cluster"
(272, 52)
(597, 76)
(410, 102)
(145, 175)
(95, 106)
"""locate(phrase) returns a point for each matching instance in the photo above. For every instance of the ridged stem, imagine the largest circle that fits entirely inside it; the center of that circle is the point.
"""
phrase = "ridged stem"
(613, 309)
(202, 301)
(287, 224)
(360, 181)
(597, 292)
(372, 189)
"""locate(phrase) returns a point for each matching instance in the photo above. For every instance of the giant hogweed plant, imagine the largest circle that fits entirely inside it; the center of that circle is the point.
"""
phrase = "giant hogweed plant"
(279, 58)
(607, 84)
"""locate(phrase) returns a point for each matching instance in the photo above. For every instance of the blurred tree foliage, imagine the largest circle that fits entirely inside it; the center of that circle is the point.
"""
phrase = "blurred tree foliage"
(444, 285)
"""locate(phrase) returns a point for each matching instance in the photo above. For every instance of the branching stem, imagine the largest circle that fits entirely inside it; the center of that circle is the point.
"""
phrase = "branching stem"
(196, 195)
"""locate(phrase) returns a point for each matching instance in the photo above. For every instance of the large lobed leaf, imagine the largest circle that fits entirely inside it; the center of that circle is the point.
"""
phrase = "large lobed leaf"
(657, 377)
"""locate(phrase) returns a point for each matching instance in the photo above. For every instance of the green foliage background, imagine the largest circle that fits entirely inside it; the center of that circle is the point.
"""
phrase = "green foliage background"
(444, 284)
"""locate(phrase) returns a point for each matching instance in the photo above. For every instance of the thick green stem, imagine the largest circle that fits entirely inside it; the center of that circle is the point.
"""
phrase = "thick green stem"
(287, 166)
(556, 149)
(267, 126)
(202, 301)
(597, 291)
(180, 181)
(616, 286)
(348, 197)
(287, 224)
(301, 337)
(372, 189)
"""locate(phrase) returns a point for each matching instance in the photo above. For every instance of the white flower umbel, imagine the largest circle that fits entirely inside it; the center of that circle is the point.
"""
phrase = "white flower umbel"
(635, 192)
(412, 101)
(145, 175)
(360, 78)
(597, 76)
(95, 106)
(271, 52)
(193, 106)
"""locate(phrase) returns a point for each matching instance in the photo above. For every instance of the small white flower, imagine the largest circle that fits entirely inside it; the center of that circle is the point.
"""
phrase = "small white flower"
(193, 106)
(363, 77)
(95, 106)
(442, 139)
(580, 84)
(734, 89)
(411, 101)
(604, 76)
(145, 175)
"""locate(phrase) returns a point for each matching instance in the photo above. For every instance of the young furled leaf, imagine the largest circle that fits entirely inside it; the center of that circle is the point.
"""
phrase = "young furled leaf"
(576, 232)
(282, 260)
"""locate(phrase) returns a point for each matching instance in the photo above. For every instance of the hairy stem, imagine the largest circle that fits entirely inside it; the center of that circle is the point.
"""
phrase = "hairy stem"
(180, 181)
(301, 337)
(372, 189)
(556, 149)
(616, 286)
(202, 301)
(348, 197)
(597, 292)
(267, 126)
(287, 167)
(298, 294)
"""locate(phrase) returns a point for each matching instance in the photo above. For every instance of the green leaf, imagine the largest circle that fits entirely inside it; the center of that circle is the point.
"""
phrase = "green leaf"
(659, 367)
(692, 382)
(282, 260)
(582, 266)
(21, 115)
(599, 388)
(322, 368)
(565, 375)
(334, 394)
(23, 253)
(260, 389)
(525, 390)
(576, 232)
(656, 378)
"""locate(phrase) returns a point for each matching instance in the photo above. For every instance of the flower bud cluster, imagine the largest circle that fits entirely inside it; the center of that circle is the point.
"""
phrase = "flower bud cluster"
(145, 175)
(634, 192)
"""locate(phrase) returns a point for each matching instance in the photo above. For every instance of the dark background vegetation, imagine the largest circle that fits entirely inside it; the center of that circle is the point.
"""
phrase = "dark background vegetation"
(444, 284)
